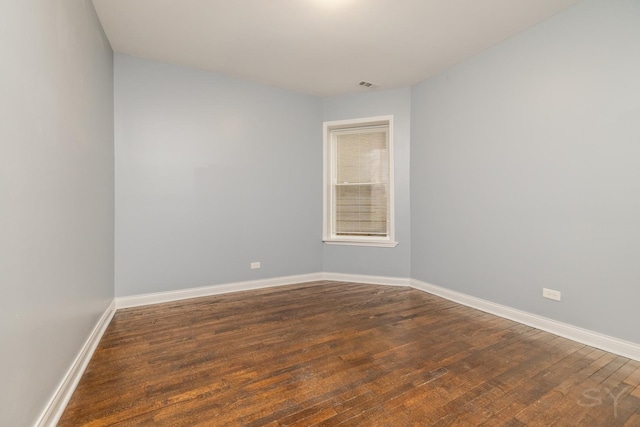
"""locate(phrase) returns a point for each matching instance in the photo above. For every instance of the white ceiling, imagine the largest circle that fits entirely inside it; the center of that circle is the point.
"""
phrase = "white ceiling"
(319, 47)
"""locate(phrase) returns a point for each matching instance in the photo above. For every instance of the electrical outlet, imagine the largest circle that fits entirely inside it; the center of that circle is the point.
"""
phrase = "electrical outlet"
(551, 294)
(255, 265)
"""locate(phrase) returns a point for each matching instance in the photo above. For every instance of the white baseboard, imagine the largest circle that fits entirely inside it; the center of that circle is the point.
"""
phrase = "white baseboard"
(584, 336)
(374, 280)
(58, 402)
(170, 296)
(160, 297)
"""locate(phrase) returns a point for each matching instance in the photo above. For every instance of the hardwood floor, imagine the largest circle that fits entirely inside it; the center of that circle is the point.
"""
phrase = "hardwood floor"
(329, 353)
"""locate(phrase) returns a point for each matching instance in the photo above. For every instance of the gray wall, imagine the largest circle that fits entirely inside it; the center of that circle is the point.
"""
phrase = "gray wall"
(212, 173)
(525, 170)
(393, 262)
(56, 195)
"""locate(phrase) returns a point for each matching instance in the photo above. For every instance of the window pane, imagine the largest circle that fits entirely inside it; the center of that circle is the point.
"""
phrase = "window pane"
(362, 157)
(361, 209)
(362, 175)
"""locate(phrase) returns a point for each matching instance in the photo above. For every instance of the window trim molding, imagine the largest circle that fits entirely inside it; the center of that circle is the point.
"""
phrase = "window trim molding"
(327, 214)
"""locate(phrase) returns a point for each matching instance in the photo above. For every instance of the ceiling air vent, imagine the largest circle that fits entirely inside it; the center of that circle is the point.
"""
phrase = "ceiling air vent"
(364, 83)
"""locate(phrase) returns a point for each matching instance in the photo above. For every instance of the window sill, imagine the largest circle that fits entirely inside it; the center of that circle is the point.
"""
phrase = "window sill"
(362, 243)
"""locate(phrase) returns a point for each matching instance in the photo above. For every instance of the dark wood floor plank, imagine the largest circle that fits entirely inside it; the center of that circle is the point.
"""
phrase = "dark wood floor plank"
(348, 354)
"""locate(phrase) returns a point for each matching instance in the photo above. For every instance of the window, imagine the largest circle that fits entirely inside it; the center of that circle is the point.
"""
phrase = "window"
(358, 182)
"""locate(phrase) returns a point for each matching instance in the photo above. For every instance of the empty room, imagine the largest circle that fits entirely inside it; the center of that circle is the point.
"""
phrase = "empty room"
(320, 213)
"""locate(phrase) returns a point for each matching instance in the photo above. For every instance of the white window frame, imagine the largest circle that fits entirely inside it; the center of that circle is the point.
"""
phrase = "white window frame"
(328, 195)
